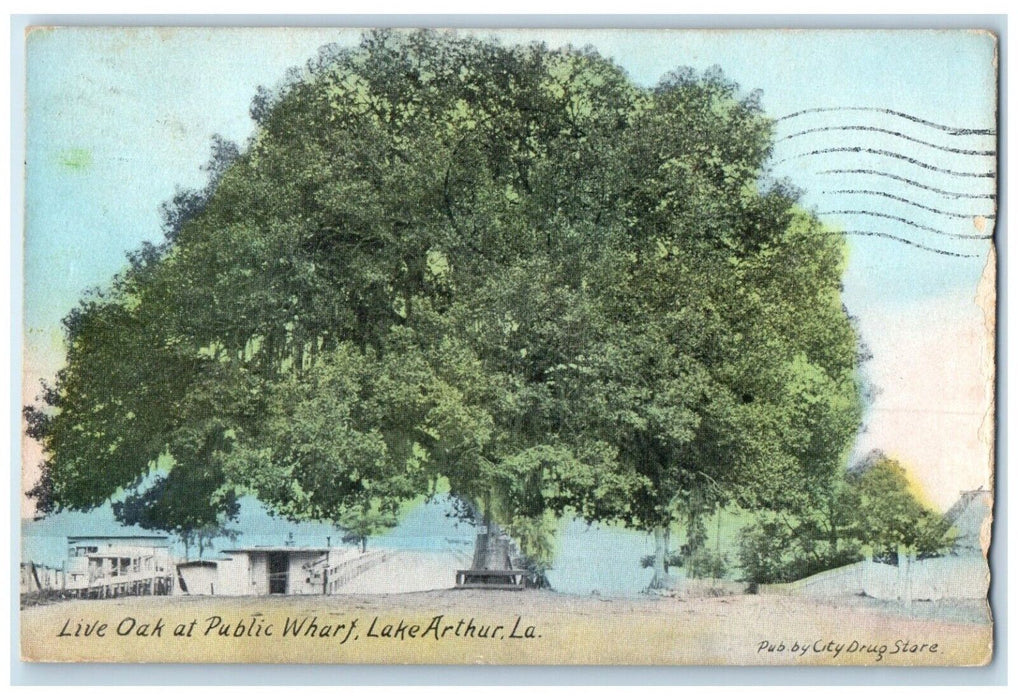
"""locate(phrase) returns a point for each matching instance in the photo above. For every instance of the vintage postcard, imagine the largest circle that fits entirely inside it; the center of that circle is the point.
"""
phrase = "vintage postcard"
(657, 347)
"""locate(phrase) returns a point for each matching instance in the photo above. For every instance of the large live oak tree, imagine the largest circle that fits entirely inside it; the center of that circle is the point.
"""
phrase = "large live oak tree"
(508, 267)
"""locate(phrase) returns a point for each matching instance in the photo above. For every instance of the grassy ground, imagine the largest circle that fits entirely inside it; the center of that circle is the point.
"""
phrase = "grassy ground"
(502, 627)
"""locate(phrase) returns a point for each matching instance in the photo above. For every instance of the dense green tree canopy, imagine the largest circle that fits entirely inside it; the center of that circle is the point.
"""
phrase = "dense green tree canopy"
(891, 517)
(507, 267)
(870, 510)
(185, 502)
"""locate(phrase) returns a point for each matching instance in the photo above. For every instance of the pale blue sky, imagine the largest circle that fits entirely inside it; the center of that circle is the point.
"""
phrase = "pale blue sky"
(117, 119)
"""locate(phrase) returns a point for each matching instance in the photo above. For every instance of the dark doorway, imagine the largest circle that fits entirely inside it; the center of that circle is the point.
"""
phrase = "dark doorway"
(279, 567)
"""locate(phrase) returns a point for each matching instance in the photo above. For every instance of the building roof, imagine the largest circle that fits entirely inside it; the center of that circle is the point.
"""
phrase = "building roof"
(969, 516)
(270, 549)
(79, 538)
(966, 501)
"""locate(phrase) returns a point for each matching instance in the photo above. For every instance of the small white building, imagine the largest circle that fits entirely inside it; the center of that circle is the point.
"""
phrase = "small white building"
(280, 570)
(119, 564)
(199, 577)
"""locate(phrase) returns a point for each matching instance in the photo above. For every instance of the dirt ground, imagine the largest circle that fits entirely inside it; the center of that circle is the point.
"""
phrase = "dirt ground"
(509, 627)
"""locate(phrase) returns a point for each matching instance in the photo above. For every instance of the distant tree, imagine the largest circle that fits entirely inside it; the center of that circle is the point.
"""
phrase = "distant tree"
(784, 546)
(194, 510)
(707, 563)
(870, 508)
(359, 524)
(891, 518)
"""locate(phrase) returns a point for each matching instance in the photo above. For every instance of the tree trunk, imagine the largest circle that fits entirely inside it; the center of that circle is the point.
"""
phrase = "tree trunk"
(909, 593)
(364, 544)
(660, 579)
(903, 594)
(492, 552)
(485, 555)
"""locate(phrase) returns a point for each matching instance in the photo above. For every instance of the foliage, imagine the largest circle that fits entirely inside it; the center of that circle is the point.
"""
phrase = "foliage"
(185, 504)
(868, 510)
(506, 267)
(364, 521)
(778, 548)
(890, 516)
(706, 563)
(536, 539)
(672, 559)
(727, 363)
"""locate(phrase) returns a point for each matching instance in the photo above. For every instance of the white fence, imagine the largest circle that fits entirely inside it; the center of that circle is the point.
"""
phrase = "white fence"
(928, 579)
